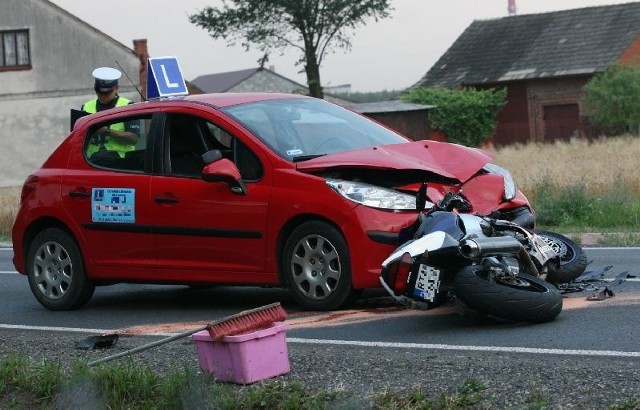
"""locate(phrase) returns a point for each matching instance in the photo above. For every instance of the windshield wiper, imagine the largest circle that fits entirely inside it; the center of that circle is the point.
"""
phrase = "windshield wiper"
(299, 158)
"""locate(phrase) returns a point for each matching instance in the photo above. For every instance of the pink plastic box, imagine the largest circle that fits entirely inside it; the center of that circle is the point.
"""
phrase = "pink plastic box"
(245, 358)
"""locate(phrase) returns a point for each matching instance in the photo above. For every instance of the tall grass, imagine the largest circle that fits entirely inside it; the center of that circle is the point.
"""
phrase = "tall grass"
(580, 185)
(9, 202)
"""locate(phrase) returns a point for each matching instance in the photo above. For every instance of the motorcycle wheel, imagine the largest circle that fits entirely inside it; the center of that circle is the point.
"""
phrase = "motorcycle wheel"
(573, 259)
(522, 298)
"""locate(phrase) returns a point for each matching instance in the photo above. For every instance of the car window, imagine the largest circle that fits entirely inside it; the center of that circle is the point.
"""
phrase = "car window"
(304, 128)
(188, 137)
(119, 145)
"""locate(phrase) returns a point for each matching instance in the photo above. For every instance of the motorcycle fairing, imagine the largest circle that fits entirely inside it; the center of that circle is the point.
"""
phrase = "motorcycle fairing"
(430, 242)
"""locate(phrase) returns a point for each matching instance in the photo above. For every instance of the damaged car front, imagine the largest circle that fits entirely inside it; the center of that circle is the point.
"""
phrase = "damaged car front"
(361, 179)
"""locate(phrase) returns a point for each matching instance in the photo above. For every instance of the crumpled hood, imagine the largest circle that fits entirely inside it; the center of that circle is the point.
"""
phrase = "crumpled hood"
(445, 159)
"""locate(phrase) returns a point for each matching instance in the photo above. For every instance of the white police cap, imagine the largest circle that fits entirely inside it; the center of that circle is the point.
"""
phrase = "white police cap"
(106, 79)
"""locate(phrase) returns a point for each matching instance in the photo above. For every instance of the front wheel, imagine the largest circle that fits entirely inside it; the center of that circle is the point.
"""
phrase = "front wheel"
(521, 298)
(317, 267)
(573, 260)
(56, 271)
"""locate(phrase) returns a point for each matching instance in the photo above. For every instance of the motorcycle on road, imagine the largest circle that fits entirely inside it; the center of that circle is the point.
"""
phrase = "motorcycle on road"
(490, 266)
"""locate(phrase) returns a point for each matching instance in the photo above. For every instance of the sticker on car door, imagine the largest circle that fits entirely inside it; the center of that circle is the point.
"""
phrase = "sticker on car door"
(116, 205)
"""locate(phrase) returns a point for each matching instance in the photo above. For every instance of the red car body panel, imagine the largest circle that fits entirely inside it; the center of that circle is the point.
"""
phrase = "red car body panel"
(448, 160)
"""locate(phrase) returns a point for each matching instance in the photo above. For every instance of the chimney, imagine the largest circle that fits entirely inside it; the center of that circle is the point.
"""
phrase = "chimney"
(140, 48)
(512, 7)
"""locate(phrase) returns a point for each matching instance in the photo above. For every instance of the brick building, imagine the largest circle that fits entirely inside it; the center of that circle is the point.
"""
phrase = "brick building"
(543, 60)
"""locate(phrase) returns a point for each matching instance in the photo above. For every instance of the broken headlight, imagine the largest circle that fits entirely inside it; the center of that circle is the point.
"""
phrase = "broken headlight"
(373, 196)
(510, 189)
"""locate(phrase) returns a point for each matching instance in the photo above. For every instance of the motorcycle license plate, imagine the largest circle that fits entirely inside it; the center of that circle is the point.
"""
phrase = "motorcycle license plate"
(427, 283)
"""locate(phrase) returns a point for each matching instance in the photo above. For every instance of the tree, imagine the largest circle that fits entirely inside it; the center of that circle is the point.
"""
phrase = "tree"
(467, 116)
(612, 100)
(312, 26)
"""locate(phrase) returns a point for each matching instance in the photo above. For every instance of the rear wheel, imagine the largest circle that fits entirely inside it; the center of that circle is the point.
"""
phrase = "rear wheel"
(317, 267)
(573, 260)
(522, 298)
(56, 271)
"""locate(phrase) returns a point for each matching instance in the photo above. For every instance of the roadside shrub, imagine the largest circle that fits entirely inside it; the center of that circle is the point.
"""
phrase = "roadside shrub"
(466, 116)
(612, 100)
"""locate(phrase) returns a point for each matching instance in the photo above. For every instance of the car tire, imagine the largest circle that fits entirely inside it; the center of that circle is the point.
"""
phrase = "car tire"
(56, 271)
(317, 267)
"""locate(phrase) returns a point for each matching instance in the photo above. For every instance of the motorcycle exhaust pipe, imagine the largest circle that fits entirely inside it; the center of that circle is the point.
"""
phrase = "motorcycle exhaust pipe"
(499, 245)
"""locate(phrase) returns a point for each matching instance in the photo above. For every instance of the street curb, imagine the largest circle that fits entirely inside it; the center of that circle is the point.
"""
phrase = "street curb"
(595, 239)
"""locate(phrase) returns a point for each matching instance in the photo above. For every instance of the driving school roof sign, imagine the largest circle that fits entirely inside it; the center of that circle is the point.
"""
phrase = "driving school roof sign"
(164, 78)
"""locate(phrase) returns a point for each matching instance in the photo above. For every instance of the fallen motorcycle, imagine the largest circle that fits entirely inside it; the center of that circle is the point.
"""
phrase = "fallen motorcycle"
(490, 266)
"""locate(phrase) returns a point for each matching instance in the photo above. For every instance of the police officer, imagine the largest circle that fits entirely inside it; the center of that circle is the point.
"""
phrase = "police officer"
(119, 137)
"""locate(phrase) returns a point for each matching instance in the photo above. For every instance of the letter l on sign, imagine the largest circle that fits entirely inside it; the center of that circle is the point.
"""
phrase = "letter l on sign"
(164, 78)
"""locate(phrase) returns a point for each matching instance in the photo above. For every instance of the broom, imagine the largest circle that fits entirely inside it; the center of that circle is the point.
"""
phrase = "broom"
(243, 322)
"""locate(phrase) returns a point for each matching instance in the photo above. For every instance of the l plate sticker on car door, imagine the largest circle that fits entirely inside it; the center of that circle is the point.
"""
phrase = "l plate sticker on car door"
(113, 205)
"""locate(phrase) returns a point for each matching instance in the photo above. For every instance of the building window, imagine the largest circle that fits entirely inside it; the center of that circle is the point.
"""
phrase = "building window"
(14, 50)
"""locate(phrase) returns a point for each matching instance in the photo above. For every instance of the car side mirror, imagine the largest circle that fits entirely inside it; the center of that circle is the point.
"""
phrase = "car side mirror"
(223, 170)
(211, 156)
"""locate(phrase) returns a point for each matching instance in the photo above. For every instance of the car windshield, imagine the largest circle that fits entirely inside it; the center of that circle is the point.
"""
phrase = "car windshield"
(298, 129)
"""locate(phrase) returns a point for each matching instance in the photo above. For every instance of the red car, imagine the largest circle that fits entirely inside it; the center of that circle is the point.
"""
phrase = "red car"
(237, 189)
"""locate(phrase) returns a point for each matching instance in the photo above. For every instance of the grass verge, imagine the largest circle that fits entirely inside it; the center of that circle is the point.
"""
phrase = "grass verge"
(28, 384)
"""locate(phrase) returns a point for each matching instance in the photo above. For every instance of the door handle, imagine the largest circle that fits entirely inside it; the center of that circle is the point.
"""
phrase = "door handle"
(79, 194)
(166, 200)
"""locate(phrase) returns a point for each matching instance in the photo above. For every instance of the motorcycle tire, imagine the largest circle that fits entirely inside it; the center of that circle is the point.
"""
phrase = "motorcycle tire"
(522, 298)
(573, 259)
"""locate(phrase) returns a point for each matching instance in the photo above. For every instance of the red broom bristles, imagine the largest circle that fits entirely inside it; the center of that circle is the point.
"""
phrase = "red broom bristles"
(246, 321)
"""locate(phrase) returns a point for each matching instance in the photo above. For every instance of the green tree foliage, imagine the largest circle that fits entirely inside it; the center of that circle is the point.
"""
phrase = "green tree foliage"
(367, 97)
(466, 116)
(612, 100)
(311, 26)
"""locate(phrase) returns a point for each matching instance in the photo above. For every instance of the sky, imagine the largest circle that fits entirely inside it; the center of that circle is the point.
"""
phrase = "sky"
(389, 54)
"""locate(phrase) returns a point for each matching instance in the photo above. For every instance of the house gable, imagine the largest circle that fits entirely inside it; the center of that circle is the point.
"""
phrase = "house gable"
(249, 80)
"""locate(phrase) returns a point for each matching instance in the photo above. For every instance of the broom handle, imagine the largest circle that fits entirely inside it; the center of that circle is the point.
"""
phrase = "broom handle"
(179, 335)
(148, 346)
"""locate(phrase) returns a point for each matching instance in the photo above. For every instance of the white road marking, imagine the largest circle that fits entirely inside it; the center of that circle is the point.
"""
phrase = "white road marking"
(426, 346)
(505, 349)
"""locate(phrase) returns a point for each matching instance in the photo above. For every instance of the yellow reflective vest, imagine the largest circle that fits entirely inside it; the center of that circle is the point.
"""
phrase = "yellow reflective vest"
(110, 144)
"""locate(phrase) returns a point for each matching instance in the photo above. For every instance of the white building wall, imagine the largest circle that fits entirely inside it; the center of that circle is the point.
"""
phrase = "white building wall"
(35, 103)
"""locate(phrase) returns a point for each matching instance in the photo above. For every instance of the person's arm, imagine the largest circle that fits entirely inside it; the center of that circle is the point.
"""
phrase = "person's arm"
(123, 137)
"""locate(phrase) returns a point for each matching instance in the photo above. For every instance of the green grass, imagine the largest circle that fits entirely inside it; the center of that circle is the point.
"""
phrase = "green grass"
(28, 383)
(575, 209)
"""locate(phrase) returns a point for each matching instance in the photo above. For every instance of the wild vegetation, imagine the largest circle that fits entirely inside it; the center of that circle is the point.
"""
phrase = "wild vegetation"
(612, 100)
(467, 116)
(26, 384)
(581, 185)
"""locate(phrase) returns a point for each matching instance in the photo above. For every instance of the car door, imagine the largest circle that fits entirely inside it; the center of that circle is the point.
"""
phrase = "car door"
(206, 231)
(108, 198)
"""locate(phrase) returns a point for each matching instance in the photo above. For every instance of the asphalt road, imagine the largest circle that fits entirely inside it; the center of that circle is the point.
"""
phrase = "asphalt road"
(587, 358)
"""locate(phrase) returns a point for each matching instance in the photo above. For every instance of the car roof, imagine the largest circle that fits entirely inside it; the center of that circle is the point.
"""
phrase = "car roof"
(218, 100)
(228, 99)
